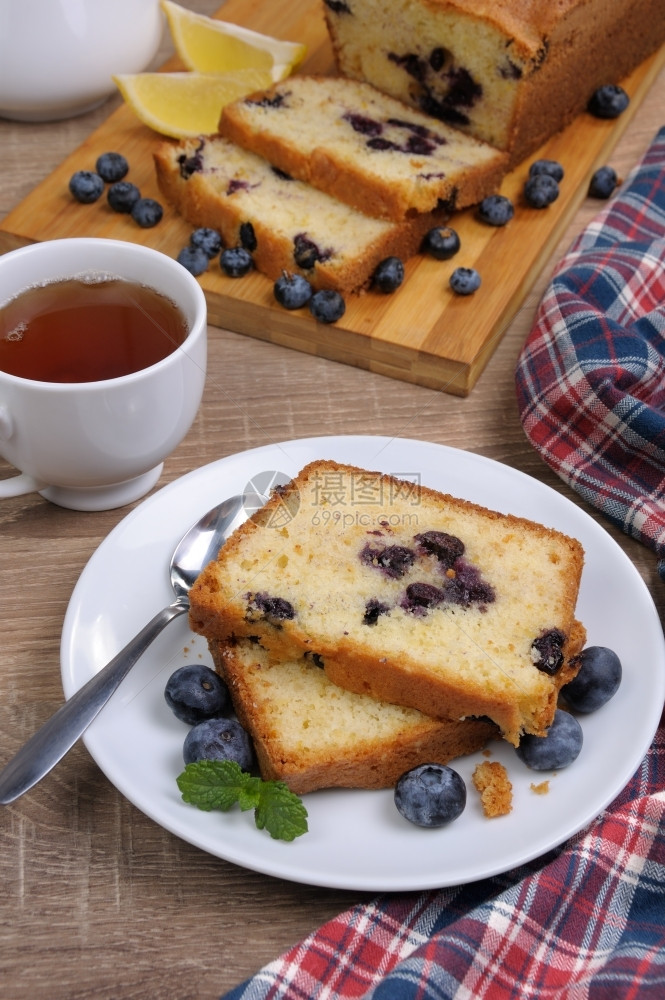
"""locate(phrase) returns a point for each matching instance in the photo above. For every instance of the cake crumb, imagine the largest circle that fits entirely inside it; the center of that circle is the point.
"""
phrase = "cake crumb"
(496, 790)
(540, 789)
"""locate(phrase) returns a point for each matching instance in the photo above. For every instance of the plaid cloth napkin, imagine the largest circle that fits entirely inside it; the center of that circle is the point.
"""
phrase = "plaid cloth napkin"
(587, 921)
(591, 377)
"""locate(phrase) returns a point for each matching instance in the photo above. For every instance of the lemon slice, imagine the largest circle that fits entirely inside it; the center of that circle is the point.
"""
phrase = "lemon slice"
(187, 104)
(211, 46)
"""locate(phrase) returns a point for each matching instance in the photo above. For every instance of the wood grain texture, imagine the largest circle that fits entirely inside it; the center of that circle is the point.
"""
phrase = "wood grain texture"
(423, 334)
(98, 901)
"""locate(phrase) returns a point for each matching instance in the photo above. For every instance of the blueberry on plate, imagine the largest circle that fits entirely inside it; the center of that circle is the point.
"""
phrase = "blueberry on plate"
(541, 190)
(219, 739)
(496, 210)
(86, 186)
(194, 693)
(465, 280)
(236, 262)
(597, 680)
(603, 183)
(208, 240)
(112, 167)
(388, 275)
(327, 305)
(559, 748)
(194, 259)
(293, 291)
(147, 212)
(550, 167)
(608, 102)
(430, 795)
(122, 196)
(441, 242)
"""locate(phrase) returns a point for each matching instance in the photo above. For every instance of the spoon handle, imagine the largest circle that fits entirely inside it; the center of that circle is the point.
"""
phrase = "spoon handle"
(50, 743)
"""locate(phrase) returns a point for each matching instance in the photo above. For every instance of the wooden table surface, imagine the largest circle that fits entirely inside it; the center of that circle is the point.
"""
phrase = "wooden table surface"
(98, 901)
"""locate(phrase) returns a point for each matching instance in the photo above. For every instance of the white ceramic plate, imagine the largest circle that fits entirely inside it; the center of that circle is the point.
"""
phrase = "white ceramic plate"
(357, 840)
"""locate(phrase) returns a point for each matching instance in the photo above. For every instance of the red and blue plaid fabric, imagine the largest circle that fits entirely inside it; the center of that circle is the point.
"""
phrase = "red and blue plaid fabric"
(586, 922)
(591, 376)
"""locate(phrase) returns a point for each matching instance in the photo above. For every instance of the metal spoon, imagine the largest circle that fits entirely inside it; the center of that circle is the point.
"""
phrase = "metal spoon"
(50, 743)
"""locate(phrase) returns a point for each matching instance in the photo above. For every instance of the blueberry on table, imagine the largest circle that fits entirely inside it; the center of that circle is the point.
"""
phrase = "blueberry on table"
(608, 102)
(388, 275)
(208, 240)
(122, 196)
(147, 212)
(441, 242)
(86, 186)
(597, 680)
(541, 190)
(496, 210)
(112, 167)
(194, 259)
(550, 167)
(559, 748)
(430, 795)
(236, 262)
(465, 280)
(194, 693)
(292, 291)
(327, 305)
(603, 183)
(219, 739)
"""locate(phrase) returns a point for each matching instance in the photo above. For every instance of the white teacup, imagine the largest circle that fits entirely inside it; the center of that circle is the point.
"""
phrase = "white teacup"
(99, 445)
(57, 57)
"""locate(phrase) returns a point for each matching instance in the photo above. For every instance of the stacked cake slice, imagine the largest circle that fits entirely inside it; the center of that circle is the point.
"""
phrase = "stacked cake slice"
(359, 582)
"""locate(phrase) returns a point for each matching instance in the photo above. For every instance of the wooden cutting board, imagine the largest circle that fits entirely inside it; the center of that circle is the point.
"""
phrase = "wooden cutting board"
(422, 334)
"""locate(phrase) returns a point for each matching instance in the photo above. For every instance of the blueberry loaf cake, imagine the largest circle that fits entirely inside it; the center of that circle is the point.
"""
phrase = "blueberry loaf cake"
(285, 223)
(311, 734)
(510, 72)
(408, 595)
(363, 147)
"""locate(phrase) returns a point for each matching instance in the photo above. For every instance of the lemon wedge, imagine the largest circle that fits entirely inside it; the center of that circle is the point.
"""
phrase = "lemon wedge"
(187, 104)
(207, 45)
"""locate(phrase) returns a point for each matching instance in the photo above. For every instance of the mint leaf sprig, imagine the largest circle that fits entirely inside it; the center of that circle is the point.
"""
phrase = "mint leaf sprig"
(221, 784)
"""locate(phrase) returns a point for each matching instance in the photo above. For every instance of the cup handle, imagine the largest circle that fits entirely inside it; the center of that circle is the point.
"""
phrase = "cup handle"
(18, 486)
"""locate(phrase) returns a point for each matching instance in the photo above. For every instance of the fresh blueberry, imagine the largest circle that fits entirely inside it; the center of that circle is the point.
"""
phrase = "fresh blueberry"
(122, 196)
(219, 739)
(292, 291)
(194, 259)
(147, 212)
(496, 210)
(86, 186)
(442, 242)
(540, 191)
(208, 240)
(465, 280)
(430, 795)
(550, 167)
(236, 262)
(597, 680)
(603, 183)
(389, 275)
(112, 167)
(608, 102)
(327, 305)
(195, 693)
(559, 748)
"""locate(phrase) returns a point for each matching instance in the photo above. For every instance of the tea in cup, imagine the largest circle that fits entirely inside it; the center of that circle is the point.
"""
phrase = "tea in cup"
(102, 366)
